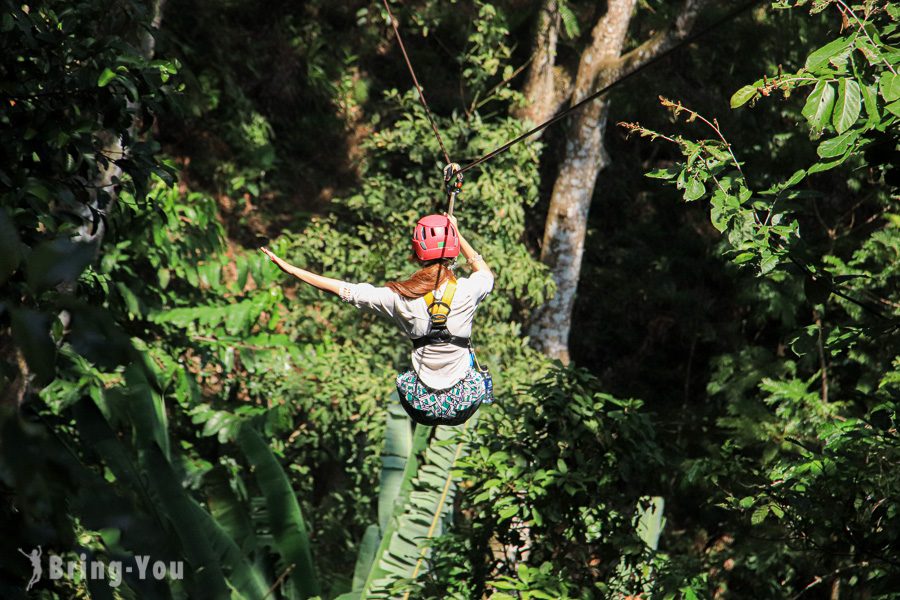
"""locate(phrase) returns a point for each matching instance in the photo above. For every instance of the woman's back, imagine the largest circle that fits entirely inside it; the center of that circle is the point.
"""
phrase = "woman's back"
(439, 366)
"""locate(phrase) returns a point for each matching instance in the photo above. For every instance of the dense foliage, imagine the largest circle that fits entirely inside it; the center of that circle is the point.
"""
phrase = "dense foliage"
(165, 392)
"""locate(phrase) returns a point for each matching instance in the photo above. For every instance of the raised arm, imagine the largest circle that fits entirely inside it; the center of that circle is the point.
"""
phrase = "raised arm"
(326, 284)
(475, 260)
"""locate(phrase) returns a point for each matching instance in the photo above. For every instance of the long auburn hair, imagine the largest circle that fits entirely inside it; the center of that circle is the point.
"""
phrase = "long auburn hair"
(429, 277)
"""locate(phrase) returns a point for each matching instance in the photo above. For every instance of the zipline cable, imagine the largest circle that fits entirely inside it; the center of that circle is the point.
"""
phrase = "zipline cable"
(412, 72)
(603, 90)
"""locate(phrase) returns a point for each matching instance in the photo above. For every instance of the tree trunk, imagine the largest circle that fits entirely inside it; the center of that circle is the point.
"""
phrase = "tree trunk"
(585, 157)
(540, 84)
(103, 193)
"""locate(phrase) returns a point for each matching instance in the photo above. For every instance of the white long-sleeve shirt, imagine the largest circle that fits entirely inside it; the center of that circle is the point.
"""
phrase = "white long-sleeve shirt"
(439, 366)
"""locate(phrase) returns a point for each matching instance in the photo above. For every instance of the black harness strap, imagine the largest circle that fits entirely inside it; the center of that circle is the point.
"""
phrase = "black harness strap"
(438, 311)
(440, 337)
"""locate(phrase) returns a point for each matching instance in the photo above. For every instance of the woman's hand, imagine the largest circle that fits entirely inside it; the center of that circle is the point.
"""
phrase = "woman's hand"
(275, 259)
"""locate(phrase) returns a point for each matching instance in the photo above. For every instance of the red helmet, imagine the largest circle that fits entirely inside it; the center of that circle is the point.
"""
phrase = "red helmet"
(435, 237)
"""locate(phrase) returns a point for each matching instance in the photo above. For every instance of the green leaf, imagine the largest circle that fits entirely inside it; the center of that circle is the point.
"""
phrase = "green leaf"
(768, 263)
(285, 519)
(397, 446)
(666, 173)
(819, 105)
(826, 165)
(651, 522)
(870, 100)
(508, 512)
(205, 544)
(743, 95)
(759, 515)
(229, 512)
(694, 190)
(796, 178)
(105, 77)
(889, 86)
(823, 55)
(894, 108)
(837, 145)
(366, 556)
(146, 410)
(847, 107)
(57, 261)
(420, 508)
(569, 21)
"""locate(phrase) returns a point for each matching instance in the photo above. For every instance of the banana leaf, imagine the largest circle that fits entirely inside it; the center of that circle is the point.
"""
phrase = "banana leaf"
(397, 446)
(285, 518)
(420, 511)
(205, 545)
(651, 522)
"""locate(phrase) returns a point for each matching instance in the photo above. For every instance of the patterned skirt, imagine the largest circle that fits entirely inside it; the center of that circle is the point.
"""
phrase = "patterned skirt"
(452, 406)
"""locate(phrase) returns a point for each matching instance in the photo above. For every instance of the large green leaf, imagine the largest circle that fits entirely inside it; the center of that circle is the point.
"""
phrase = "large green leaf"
(819, 105)
(397, 446)
(743, 95)
(847, 106)
(285, 518)
(145, 409)
(870, 100)
(426, 493)
(651, 522)
(821, 57)
(228, 511)
(838, 145)
(366, 556)
(889, 86)
(205, 544)
(188, 522)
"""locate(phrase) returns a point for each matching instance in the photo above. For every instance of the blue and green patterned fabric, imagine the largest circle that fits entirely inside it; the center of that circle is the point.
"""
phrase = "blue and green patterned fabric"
(434, 407)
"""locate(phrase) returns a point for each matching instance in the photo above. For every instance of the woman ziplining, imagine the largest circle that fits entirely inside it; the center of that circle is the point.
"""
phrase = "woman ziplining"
(435, 310)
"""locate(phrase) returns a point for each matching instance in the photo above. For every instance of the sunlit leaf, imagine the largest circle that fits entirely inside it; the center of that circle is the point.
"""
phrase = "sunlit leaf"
(847, 106)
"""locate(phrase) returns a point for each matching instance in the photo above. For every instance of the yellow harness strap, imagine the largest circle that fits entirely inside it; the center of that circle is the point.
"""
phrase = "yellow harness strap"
(440, 309)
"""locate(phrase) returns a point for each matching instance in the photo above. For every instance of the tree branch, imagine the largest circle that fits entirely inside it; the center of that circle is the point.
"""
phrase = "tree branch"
(657, 44)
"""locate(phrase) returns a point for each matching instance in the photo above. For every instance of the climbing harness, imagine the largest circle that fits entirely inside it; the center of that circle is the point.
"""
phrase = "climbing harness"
(578, 105)
(440, 407)
(438, 311)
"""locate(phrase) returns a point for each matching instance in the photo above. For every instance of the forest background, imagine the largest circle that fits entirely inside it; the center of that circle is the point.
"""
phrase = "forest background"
(721, 424)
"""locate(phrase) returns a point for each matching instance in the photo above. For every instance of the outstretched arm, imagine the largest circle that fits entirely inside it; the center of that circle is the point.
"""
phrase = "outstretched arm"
(474, 259)
(326, 284)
